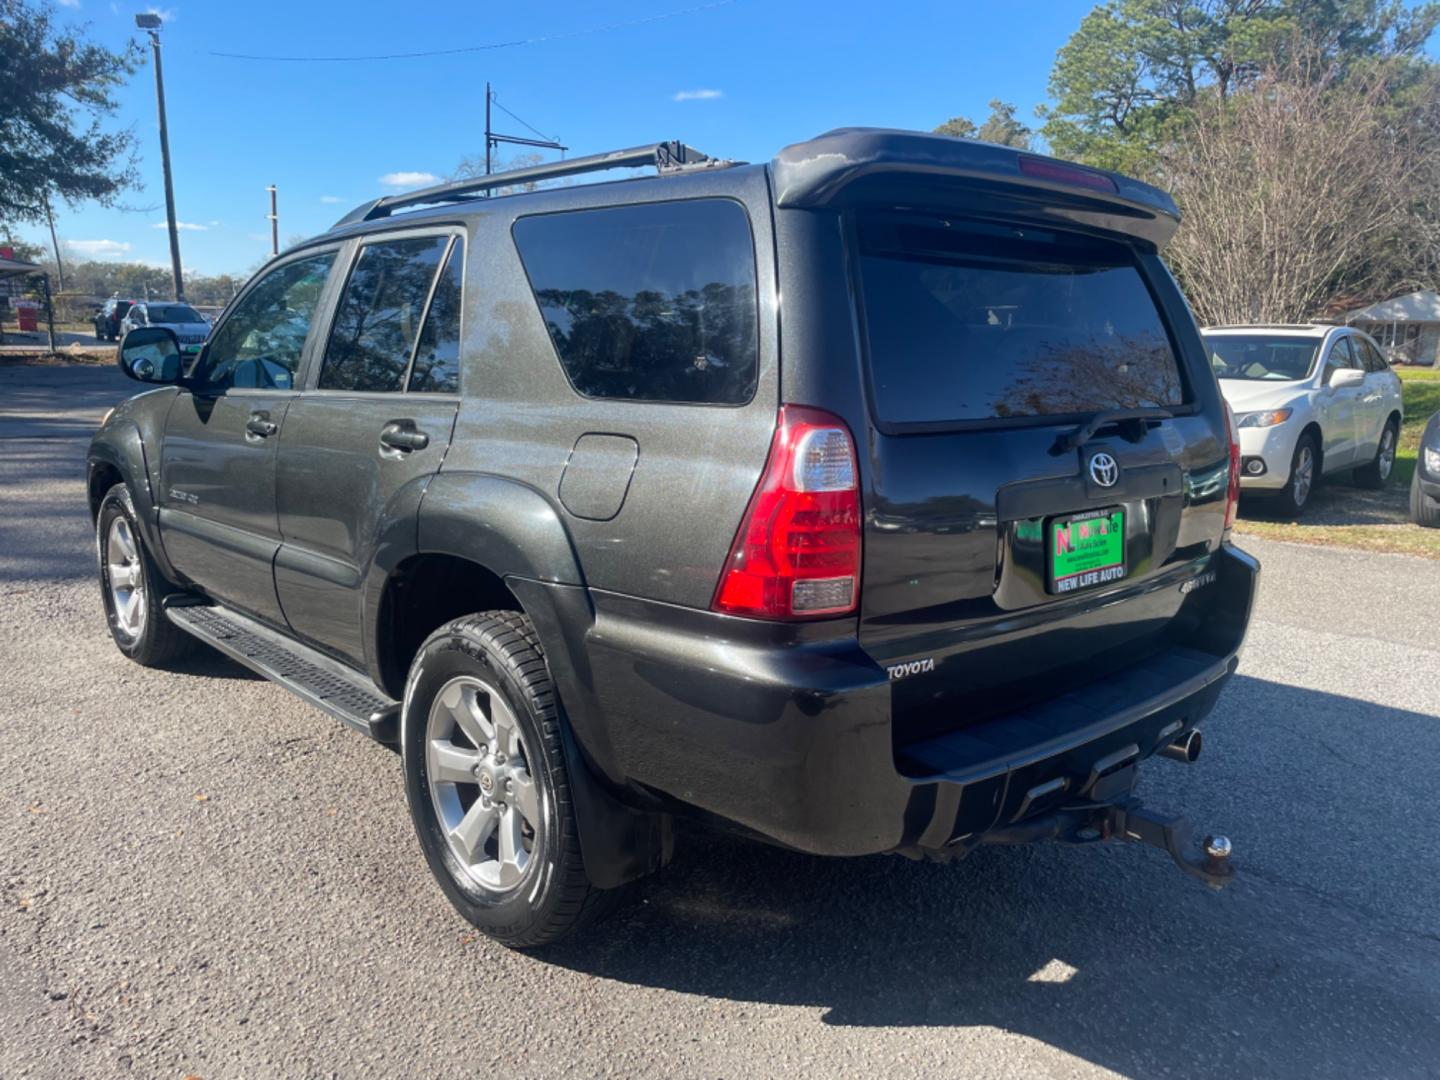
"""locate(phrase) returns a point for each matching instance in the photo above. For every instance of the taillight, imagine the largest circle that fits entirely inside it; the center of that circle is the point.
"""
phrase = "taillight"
(797, 552)
(1232, 487)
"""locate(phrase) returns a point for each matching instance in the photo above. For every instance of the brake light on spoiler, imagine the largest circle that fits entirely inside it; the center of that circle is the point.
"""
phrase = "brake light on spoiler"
(1060, 173)
(797, 552)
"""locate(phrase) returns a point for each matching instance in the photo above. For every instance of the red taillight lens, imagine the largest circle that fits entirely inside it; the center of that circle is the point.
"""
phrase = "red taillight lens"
(797, 552)
(1232, 488)
(1058, 172)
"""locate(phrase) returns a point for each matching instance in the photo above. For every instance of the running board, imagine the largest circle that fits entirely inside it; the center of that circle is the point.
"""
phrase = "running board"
(310, 675)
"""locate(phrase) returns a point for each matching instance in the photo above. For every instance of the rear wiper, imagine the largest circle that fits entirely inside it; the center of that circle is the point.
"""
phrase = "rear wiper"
(1082, 434)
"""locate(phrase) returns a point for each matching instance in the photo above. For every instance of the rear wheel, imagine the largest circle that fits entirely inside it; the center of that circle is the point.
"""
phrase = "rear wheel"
(1377, 473)
(1304, 471)
(1424, 510)
(132, 587)
(486, 780)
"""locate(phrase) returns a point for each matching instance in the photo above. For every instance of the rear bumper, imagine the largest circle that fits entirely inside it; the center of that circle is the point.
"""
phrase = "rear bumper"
(789, 735)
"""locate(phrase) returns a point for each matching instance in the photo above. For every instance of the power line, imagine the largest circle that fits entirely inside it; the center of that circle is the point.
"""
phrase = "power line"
(533, 129)
(483, 48)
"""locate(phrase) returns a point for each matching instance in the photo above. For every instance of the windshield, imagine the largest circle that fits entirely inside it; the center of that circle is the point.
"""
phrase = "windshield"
(1261, 357)
(173, 313)
(972, 321)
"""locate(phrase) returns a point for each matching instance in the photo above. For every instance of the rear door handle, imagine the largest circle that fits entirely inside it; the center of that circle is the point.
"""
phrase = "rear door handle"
(402, 435)
(260, 425)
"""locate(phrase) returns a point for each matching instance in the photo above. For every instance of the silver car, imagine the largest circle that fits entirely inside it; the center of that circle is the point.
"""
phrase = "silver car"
(190, 327)
(1309, 401)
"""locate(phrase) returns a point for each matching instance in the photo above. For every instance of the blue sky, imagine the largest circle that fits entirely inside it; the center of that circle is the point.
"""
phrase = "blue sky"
(738, 79)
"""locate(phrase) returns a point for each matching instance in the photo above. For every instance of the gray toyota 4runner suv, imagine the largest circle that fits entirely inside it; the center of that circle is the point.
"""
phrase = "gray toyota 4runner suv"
(873, 499)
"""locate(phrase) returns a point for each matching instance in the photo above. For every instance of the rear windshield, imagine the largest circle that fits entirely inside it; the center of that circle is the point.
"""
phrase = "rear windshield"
(1260, 357)
(976, 321)
(172, 313)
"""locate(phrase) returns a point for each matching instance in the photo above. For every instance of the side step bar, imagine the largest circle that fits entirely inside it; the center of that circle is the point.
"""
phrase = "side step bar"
(327, 684)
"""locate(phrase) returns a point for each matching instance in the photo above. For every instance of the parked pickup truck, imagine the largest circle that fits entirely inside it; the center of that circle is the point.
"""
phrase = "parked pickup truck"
(552, 492)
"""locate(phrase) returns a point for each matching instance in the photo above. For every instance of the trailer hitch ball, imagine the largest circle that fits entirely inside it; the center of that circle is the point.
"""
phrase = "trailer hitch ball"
(1217, 854)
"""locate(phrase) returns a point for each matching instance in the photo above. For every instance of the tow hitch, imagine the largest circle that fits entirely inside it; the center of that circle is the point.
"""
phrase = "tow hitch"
(1127, 819)
(1130, 820)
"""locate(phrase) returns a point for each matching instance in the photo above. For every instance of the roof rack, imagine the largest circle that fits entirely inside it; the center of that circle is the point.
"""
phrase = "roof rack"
(670, 156)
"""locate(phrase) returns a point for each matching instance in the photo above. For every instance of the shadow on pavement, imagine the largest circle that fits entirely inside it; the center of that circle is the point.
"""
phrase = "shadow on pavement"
(1107, 953)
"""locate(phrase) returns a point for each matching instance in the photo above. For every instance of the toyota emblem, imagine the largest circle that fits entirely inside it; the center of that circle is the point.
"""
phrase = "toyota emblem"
(1104, 469)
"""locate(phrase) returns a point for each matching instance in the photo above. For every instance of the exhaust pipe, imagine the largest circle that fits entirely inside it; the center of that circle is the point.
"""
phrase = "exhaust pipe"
(1186, 748)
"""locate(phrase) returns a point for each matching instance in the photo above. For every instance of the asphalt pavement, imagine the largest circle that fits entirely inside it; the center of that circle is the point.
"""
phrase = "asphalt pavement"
(204, 877)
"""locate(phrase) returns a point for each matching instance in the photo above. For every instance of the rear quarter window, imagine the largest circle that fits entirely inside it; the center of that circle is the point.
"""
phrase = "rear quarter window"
(654, 302)
(970, 321)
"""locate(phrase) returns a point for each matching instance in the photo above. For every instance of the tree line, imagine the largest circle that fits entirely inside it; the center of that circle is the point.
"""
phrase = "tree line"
(1300, 138)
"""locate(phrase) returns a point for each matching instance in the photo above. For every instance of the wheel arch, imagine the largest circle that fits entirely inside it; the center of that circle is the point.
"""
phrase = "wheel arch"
(482, 542)
(117, 455)
(1312, 427)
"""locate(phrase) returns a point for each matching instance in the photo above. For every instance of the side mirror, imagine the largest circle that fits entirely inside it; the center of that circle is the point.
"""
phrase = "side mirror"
(151, 354)
(1340, 378)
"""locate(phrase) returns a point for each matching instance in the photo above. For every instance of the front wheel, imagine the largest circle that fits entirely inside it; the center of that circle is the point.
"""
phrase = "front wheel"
(1304, 470)
(1424, 510)
(132, 588)
(487, 784)
(1377, 473)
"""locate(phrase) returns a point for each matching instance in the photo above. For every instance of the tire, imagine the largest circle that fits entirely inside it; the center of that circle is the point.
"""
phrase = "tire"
(132, 602)
(479, 703)
(1424, 511)
(1377, 474)
(1298, 490)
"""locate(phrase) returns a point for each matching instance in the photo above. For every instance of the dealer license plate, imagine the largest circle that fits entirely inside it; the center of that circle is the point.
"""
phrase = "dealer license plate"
(1086, 550)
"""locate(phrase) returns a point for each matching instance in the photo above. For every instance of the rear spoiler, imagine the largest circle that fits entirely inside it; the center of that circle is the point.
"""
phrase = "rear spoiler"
(854, 166)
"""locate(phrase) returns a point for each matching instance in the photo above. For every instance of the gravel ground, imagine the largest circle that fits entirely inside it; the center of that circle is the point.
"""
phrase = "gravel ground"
(202, 876)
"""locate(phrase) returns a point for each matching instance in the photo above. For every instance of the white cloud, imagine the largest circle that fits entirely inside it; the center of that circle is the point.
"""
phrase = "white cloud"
(214, 224)
(99, 249)
(408, 179)
(698, 95)
(329, 198)
(166, 14)
(183, 226)
(70, 3)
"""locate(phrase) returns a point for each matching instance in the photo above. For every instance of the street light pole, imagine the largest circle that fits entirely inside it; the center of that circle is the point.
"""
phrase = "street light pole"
(274, 223)
(151, 22)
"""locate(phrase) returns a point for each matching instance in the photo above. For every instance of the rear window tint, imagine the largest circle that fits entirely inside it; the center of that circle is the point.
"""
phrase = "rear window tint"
(649, 303)
(974, 321)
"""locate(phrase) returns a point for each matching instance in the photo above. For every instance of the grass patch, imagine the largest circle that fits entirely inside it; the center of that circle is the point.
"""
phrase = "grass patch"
(1421, 387)
(1396, 539)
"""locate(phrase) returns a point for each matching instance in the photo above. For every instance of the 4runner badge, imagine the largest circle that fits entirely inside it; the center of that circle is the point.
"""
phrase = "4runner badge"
(912, 667)
(1199, 581)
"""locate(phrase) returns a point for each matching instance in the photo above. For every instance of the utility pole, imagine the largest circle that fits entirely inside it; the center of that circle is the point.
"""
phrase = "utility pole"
(494, 139)
(59, 266)
(150, 22)
(274, 223)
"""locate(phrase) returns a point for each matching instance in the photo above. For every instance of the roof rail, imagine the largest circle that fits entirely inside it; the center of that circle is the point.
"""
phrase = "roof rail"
(665, 156)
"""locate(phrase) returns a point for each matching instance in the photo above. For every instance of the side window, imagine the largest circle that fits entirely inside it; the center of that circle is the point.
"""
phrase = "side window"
(259, 345)
(1373, 360)
(378, 320)
(1340, 357)
(649, 303)
(437, 359)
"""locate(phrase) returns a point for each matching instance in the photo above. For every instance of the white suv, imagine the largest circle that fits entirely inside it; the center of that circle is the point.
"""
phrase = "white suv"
(1309, 401)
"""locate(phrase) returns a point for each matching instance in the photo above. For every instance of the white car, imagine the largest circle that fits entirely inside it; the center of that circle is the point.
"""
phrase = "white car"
(1309, 401)
(190, 327)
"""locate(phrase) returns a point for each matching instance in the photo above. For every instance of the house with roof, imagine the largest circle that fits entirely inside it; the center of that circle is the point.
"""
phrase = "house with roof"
(1407, 327)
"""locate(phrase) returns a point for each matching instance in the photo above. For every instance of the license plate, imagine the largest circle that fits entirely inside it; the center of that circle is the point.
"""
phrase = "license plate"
(1086, 550)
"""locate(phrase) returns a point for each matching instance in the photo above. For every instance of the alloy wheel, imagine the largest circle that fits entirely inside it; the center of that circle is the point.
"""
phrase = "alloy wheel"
(1386, 461)
(485, 797)
(126, 576)
(1304, 477)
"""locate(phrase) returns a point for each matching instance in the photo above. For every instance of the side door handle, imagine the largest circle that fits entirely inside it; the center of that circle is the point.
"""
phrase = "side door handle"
(260, 425)
(402, 435)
